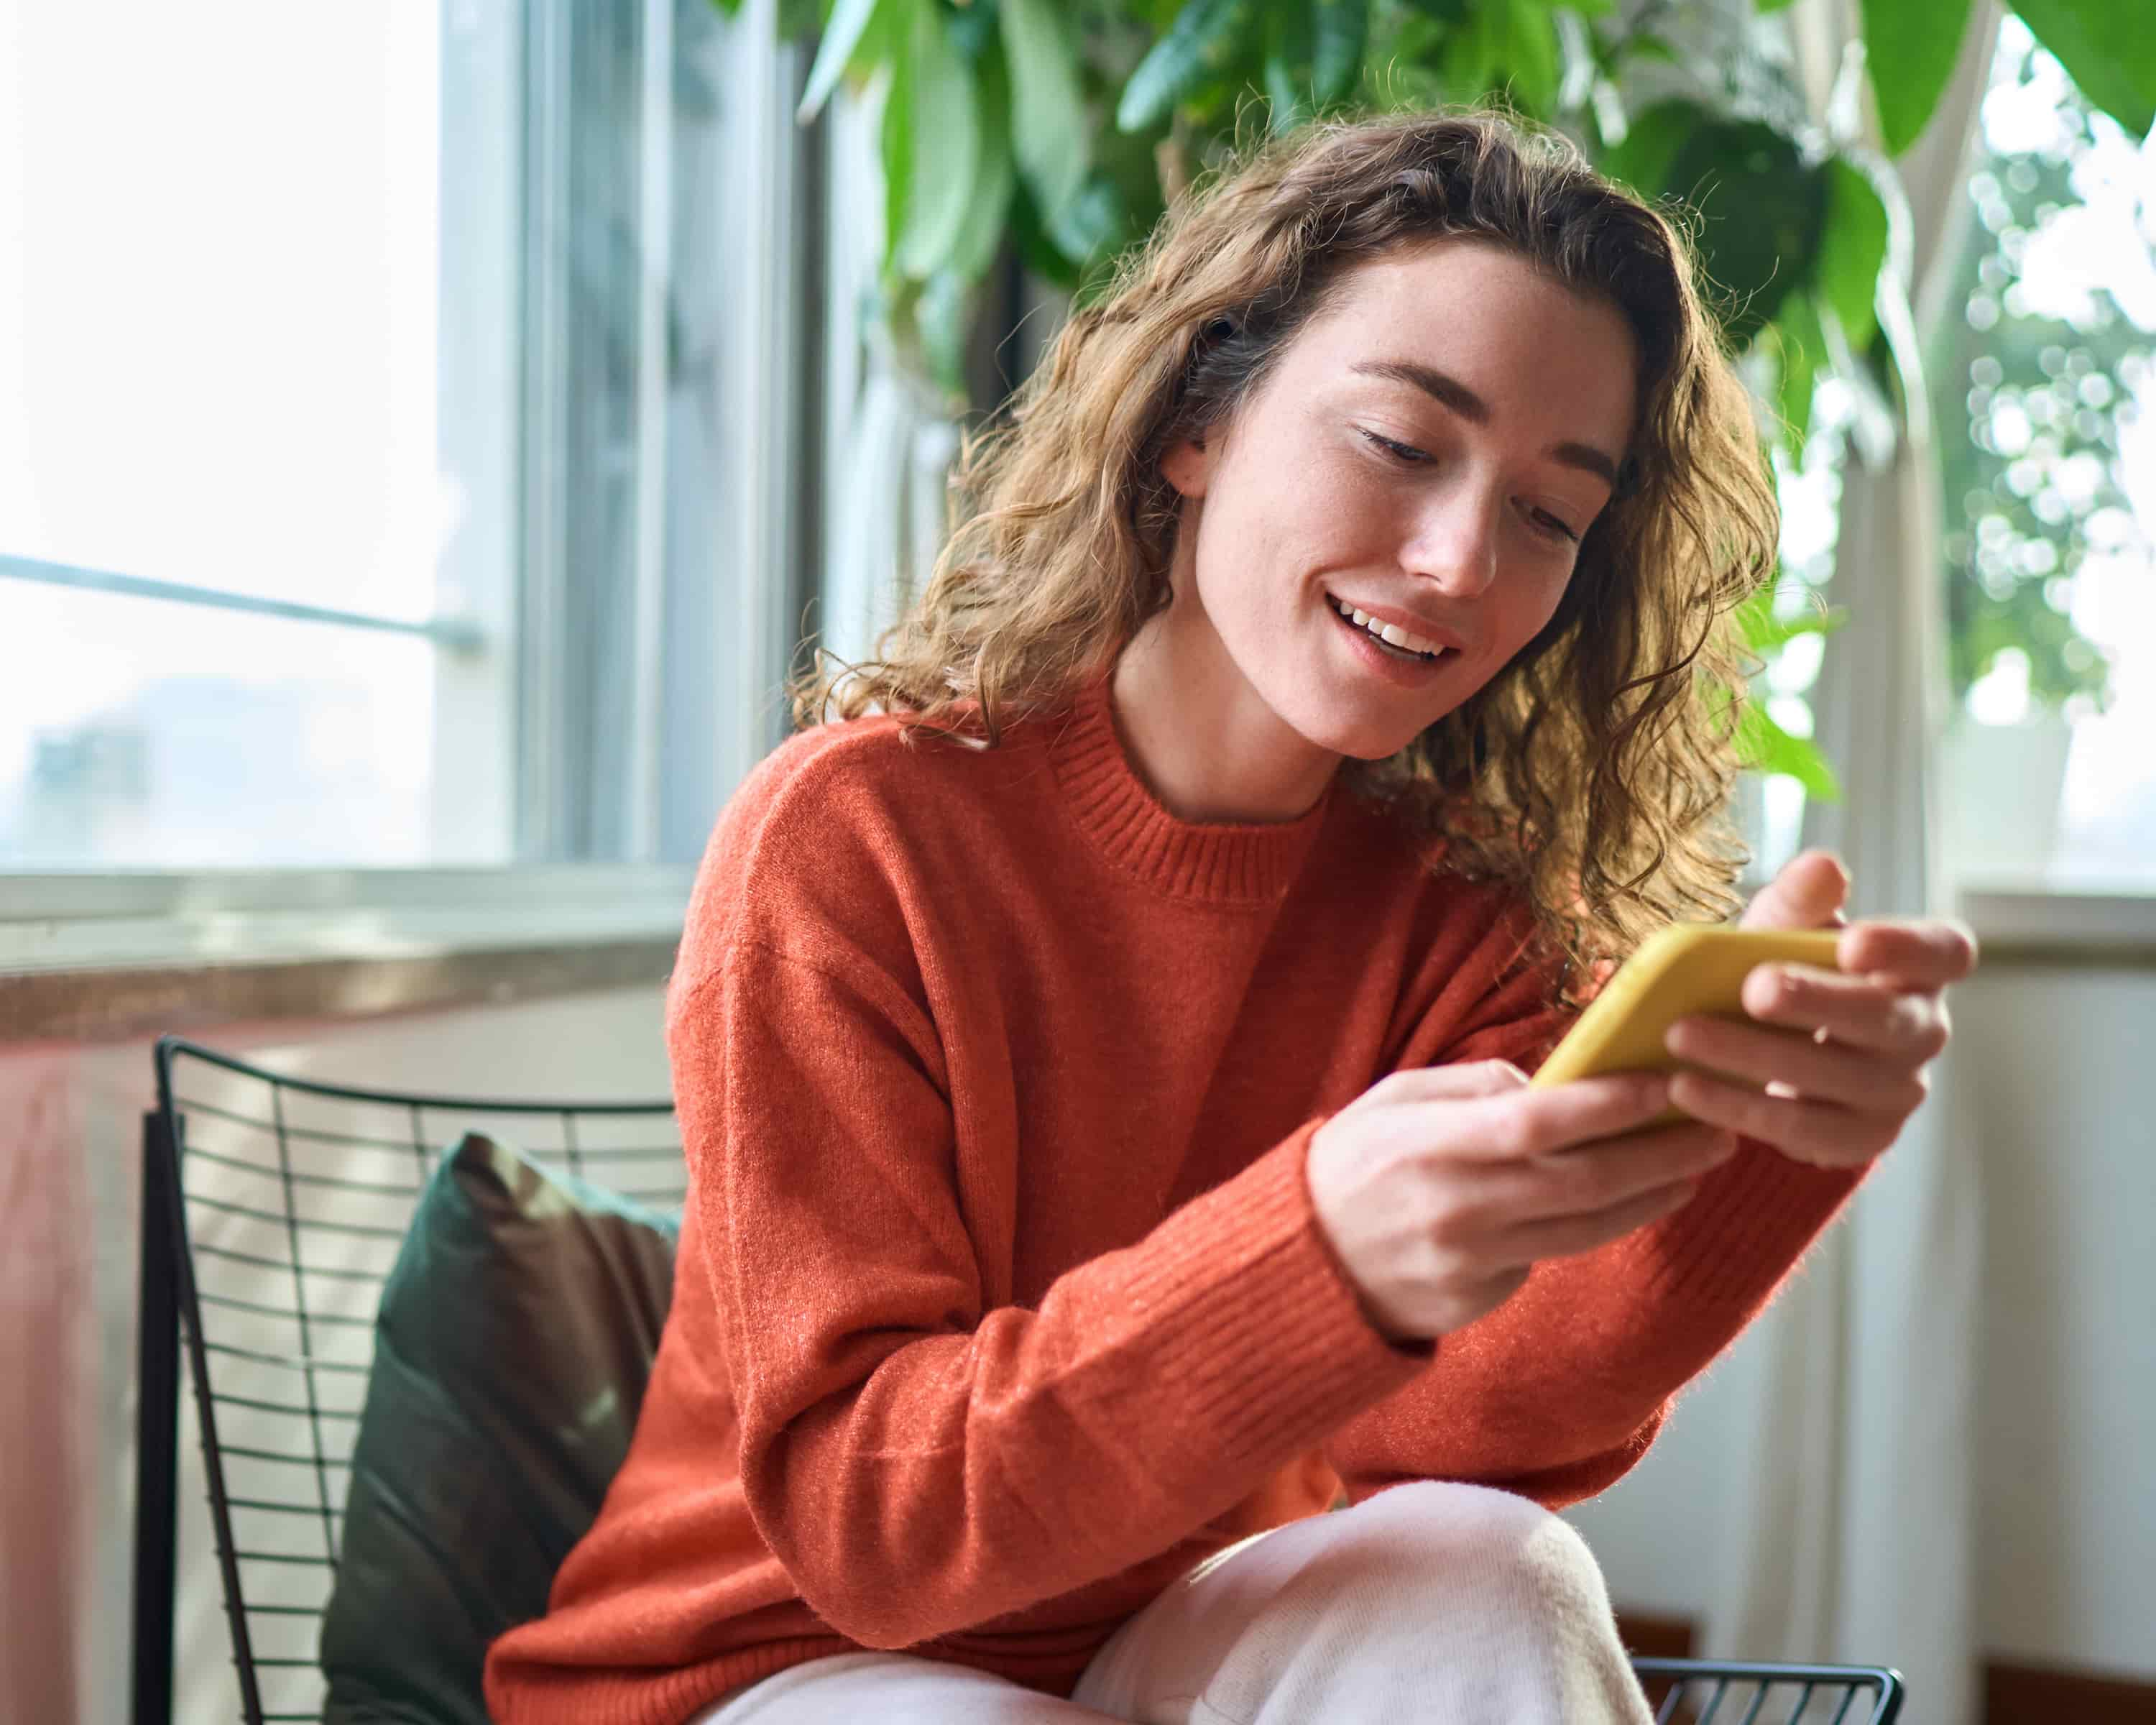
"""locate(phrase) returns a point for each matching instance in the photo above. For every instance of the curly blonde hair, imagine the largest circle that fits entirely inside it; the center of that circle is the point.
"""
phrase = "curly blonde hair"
(1593, 771)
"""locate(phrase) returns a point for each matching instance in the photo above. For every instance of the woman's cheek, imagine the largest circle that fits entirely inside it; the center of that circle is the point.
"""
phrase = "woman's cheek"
(1532, 604)
(1335, 485)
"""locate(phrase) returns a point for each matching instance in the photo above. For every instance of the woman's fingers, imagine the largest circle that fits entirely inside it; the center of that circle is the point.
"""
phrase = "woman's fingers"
(1824, 1134)
(1926, 952)
(1856, 1011)
(1809, 892)
(1575, 1182)
(1855, 1077)
(1566, 1236)
(1841, 1053)
(1542, 1123)
(1467, 1078)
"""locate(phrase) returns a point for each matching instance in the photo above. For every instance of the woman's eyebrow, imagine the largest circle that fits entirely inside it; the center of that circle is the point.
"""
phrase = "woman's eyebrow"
(1465, 403)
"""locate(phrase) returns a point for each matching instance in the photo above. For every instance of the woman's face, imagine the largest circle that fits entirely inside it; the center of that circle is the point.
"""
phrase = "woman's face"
(1430, 450)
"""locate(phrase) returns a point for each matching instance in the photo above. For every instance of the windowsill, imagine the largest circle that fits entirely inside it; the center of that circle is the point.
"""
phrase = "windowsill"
(2029, 925)
(106, 957)
(99, 957)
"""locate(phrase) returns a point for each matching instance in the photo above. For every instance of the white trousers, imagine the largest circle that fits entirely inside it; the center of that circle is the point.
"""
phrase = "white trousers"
(1429, 1601)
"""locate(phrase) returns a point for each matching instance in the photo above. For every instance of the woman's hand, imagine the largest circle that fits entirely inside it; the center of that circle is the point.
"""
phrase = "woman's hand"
(1440, 1186)
(1842, 1053)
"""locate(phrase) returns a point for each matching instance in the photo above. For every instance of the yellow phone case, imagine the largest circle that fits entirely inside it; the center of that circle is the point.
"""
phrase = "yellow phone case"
(1683, 971)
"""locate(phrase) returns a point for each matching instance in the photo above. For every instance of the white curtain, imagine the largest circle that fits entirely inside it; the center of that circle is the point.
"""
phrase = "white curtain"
(1854, 1534)
(888, 444)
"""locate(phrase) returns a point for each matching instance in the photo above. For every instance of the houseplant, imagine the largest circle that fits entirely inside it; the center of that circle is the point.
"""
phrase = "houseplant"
(1062, 130)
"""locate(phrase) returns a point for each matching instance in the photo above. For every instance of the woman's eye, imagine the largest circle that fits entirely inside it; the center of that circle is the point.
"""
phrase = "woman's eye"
(1550, 523)
(1406, 453)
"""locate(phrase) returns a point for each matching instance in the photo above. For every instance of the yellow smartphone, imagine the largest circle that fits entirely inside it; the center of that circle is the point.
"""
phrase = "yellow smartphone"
(1686, 970)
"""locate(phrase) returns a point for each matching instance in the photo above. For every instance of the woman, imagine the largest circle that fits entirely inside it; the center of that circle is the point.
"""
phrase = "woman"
(1101, 1068)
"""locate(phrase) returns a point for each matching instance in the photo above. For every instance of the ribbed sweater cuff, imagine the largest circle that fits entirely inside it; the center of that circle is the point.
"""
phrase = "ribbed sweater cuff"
(1259, 1327)
(1752, 1220)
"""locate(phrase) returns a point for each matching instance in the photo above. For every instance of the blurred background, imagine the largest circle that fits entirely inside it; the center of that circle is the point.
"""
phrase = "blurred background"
(429, 431)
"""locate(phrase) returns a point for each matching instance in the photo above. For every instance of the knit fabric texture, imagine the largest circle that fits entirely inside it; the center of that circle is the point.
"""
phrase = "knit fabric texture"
(1000, 1301)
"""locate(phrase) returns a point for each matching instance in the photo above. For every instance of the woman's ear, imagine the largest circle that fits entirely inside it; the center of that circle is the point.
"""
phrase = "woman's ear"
(1188, 466)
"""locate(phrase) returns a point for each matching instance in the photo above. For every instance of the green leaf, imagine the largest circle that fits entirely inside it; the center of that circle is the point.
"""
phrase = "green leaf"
(895, 143)
(728, 7)
(947, 152)
(1766, 634)
(972, 28)
(1800, 349)
(1651, 147)
(1340, 29)
(1762, 212)
(2109, 50)
(882, 44)
(1852, 249)
(1767, 7)
(990, 206)
(1284, 101)
(1199, 42)
(1049, 130)
(939, 314)
(1533, 56)
(1119, 206)
(1911, 47)
(844, 30)
(1763, 745)
(1474, 52)
(1040, 253)
(988, 210)
(1646, 45)
(1290, 43)
(1091, 224)
(1505, 47)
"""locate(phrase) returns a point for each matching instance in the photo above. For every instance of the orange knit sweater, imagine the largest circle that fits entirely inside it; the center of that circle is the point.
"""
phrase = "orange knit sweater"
(1000, 1300)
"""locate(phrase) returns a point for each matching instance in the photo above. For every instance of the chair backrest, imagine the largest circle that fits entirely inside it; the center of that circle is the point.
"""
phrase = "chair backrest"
(273, 1210)
(1686, 1692)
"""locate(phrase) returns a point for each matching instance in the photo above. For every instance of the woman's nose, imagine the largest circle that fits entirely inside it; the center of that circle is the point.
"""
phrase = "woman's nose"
(1453, 540)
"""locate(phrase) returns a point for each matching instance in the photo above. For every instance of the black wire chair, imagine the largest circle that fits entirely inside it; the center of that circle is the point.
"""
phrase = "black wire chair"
(1696, 1691)
(273, 1209)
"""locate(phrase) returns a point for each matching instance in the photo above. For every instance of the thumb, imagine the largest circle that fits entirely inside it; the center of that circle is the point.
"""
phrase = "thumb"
(1809, 893)
(1462, 1082)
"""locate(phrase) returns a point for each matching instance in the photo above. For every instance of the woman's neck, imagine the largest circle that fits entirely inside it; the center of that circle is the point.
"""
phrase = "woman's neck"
(1205, 742)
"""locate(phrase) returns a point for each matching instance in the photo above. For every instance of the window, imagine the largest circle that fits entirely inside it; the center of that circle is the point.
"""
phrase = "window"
(400, 461)
(2044, 397)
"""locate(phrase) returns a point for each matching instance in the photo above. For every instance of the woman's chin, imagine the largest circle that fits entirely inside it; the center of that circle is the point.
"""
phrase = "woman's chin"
(1378, 751)
(1358, 741)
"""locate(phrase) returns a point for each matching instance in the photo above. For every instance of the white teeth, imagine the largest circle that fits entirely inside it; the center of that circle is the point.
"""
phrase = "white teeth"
(1391, 632)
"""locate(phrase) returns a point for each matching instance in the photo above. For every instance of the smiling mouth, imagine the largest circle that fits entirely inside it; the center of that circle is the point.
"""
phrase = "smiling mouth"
(1347, 616)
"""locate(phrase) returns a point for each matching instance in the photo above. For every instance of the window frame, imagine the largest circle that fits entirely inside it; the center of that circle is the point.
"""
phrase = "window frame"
(494, 744)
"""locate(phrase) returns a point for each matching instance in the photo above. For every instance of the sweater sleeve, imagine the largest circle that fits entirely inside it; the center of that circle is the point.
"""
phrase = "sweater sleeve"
(920, 1461)
(1559, 1391)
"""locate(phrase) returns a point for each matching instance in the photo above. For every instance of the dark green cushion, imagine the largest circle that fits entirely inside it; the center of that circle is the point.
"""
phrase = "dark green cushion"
(515, 1335)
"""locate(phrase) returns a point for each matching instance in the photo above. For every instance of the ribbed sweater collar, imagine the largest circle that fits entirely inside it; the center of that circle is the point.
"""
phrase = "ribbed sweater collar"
(1218, 863)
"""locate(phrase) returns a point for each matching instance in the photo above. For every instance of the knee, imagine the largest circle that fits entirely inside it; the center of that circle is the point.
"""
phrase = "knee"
(1427, 1601)
(1474, 1542)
